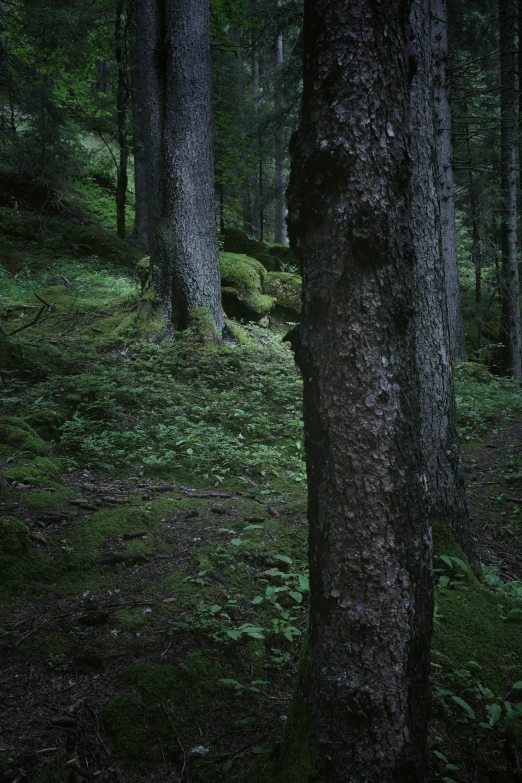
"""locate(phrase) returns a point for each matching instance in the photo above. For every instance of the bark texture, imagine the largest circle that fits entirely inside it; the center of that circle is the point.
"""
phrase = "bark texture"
(122, 96)
(443, 470)
(445, 183)
(141, 218)
(180, 169)
(510, 322)
(352, 213)
(279, 146)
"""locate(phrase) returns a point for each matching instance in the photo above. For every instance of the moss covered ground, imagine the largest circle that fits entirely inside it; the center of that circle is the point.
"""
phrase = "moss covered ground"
(153, 539)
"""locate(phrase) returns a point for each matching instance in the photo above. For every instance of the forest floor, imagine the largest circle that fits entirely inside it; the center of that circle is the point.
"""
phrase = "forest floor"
(153, 544)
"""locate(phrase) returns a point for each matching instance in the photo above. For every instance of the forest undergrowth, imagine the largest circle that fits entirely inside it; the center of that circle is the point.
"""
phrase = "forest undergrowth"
(153, 539)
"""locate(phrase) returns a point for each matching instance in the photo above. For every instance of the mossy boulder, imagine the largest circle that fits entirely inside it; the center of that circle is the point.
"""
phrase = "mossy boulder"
(472, 371)
(285, 288)
(106, 245)
(17, 435)
(46, 422)
(36, 472)
(242, 287)
(14, 536)
(273, 257)
(20, 225)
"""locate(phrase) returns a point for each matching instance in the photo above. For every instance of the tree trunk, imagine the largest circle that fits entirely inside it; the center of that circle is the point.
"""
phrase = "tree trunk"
(476, 249)
(445, 180)
(141, 219)
(510, 321)
(258, 199)
(184, 248)
(446, 497)
(279, 146)
(363, 697)
(122, 94)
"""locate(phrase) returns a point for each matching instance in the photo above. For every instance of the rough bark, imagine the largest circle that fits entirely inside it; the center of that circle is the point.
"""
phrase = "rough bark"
(510, 321)
(141, 219)
(445, 184)
(364, 674)
(279, 146)
(122, 96)
(180, 168)
(444, 476)
(150, 24)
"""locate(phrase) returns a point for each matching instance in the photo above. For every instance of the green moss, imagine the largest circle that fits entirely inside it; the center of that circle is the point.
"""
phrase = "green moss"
(112, 522)
(16, 435)
(271, 256)
(285, 288)
(35, 472)
(124, 719)
(46, 422)
(105, 244)
(44, 500)
(14, 536)
(299, 760)
(242, 280)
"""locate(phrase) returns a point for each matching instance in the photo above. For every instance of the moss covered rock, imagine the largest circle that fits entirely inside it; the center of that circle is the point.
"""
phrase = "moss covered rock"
(17, 435)
(143, 269)
(285, 288)
(14, 536)
(38, 472)
(105, 244)
(242, 287)
(273, 257)
(46, 422)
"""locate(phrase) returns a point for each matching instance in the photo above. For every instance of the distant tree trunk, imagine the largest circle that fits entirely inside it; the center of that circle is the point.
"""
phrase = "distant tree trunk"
(363, 698)
(141, 219)
(259, 225)
(180, 170)
(510, 322)
(476, 249)
(436, 279)
(445, 180)
(279, 146)
(122, 96)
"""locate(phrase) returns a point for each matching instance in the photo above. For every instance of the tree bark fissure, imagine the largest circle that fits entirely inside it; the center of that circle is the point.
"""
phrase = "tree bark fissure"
(279, 146)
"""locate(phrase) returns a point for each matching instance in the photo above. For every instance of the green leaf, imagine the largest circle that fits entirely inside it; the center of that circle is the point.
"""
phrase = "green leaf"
(514, 616)
(462, 564)
(227, 681)
(236, 542)
(464, 706)
(444, 581)
(517, 685)
(190, 452)
(283, 559)
(257, 600)
(296, 596)
(440, 756)
(227, 766)
(253, 527)
(234, 634)
(447, 560)
(258, 750)
(304, 584)
(495, 711)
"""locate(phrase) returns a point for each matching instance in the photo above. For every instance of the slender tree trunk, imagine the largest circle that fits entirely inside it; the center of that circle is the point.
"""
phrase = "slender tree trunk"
(476, 249)
(180, 169)
(141, 219)
(122, 94)
(279, 146)
(445, 180)
(363, 701)
(510, 323)
(436, 280)
(258, 198)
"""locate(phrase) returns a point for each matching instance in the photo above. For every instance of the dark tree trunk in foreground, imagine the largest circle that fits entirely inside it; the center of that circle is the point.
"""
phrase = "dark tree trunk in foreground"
(510, 321)
(445, 179)
(122, 95)
(436, 281)
(360, 712)
(279, 146)
(175, 85)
